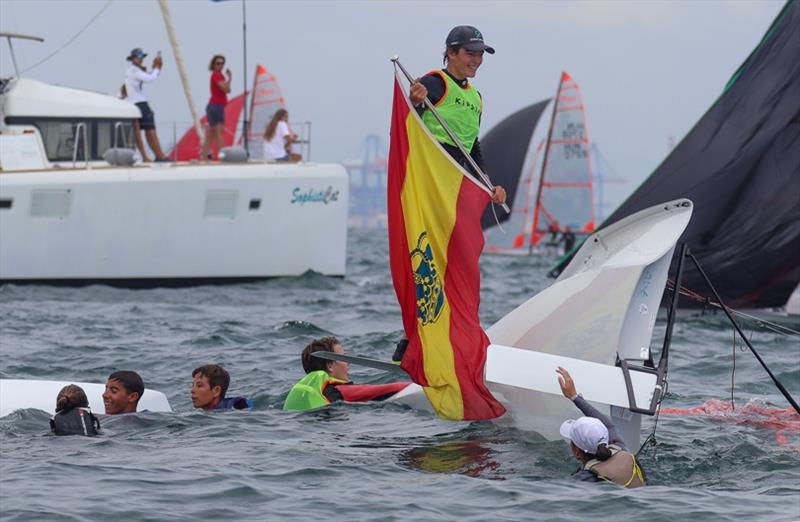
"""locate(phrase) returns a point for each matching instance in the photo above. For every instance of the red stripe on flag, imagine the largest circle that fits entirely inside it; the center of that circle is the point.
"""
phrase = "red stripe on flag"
(462, 284)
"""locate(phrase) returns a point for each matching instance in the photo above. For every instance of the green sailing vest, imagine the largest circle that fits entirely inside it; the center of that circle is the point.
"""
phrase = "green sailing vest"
(307, 393)
(460, 108)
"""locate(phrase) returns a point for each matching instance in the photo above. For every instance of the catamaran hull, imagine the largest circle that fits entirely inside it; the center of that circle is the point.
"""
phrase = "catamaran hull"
(173, 225)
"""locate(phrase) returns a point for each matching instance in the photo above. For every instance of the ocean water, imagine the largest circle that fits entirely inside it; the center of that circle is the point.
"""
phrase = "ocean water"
(360, 462)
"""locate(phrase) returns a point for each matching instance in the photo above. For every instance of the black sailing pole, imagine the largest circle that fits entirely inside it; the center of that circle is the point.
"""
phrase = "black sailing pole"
(741, 334)
(244, 76)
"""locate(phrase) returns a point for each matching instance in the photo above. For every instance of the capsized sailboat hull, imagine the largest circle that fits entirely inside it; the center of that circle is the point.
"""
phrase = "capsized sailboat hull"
(603, 307)
(18, 394)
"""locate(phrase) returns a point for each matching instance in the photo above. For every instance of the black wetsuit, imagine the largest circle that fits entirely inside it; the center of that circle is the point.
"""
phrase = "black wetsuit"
(75, 421)
(569, 241)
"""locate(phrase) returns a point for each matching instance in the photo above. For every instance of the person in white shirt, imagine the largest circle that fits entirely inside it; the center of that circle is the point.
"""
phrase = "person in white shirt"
(135, 78)
(278, 139)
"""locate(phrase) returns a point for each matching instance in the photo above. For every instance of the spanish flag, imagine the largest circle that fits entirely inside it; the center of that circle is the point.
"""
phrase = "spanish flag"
(435, 239)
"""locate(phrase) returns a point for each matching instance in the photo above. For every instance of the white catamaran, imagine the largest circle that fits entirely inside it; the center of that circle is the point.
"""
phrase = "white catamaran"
(75, 210)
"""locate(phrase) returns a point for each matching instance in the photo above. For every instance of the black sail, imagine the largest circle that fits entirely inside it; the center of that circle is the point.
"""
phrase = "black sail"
(740, 165)
(504, 149)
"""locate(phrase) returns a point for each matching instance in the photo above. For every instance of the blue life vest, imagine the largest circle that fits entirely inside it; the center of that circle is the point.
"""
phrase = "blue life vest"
(234, 403)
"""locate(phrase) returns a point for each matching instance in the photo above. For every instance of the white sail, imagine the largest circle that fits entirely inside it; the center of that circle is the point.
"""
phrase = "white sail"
(266, 100)
(515, 236)
(564, 200)
(555, 190)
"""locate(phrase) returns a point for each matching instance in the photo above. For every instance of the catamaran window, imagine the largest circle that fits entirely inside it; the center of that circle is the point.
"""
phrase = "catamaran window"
(59, 136)
(58, 140)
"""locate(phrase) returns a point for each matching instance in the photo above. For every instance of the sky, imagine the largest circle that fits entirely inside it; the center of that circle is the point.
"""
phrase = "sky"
(648, 70)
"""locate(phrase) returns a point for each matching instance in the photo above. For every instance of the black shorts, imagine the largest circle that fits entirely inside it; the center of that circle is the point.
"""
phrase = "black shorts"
(147, 121)
(215, 114)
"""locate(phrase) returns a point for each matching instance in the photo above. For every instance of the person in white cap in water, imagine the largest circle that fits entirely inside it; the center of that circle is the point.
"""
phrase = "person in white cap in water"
(596, 443)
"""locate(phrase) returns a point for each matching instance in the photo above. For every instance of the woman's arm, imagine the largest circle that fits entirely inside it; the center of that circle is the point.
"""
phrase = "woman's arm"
(144, 76)
(569, 391)
(225, 84)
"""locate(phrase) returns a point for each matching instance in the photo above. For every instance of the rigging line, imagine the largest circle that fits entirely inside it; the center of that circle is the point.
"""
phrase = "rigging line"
(40, 62)
(651, 438)
(769, 325)
(497, 220)
(763, 364)
(733, 370)
(777, 328)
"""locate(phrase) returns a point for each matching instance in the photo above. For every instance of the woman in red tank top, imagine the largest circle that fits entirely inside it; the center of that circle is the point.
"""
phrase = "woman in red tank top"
(215, 110)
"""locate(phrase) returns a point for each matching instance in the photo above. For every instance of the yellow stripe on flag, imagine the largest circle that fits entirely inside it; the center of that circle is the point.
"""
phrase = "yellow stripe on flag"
(429, 198)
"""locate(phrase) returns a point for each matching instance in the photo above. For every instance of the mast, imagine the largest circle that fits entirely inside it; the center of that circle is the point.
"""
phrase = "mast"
(245, 128)
(248, 128)
(538, 201)
(530, 205)
(176, 52)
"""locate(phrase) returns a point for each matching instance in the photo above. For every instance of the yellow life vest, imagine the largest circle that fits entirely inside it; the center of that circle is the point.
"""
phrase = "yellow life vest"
(622, 468)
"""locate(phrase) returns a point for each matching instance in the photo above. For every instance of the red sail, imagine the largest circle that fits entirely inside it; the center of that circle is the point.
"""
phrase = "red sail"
(189, 146)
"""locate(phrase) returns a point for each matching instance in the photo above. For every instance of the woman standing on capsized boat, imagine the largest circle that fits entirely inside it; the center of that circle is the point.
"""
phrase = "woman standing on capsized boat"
(596, 444)
(215, 110)
(458, 101)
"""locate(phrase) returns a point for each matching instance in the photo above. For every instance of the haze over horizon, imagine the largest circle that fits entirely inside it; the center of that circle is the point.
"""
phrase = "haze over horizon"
(647, 70)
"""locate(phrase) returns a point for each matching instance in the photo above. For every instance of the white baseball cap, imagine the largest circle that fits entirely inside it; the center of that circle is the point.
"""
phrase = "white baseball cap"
(587, 433)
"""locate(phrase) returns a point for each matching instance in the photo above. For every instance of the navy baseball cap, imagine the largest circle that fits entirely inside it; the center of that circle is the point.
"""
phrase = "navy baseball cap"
(467, 37)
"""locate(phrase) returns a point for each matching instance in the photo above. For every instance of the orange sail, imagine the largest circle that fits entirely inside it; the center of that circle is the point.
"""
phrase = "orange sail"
(564, 199)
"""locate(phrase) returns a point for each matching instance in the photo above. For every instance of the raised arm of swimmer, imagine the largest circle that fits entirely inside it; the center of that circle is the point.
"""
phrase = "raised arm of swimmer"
(596, 443)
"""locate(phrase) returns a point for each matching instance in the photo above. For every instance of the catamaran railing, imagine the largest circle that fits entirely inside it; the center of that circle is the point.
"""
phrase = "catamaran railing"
(119, 130)
(80, 131)
(179, 128)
